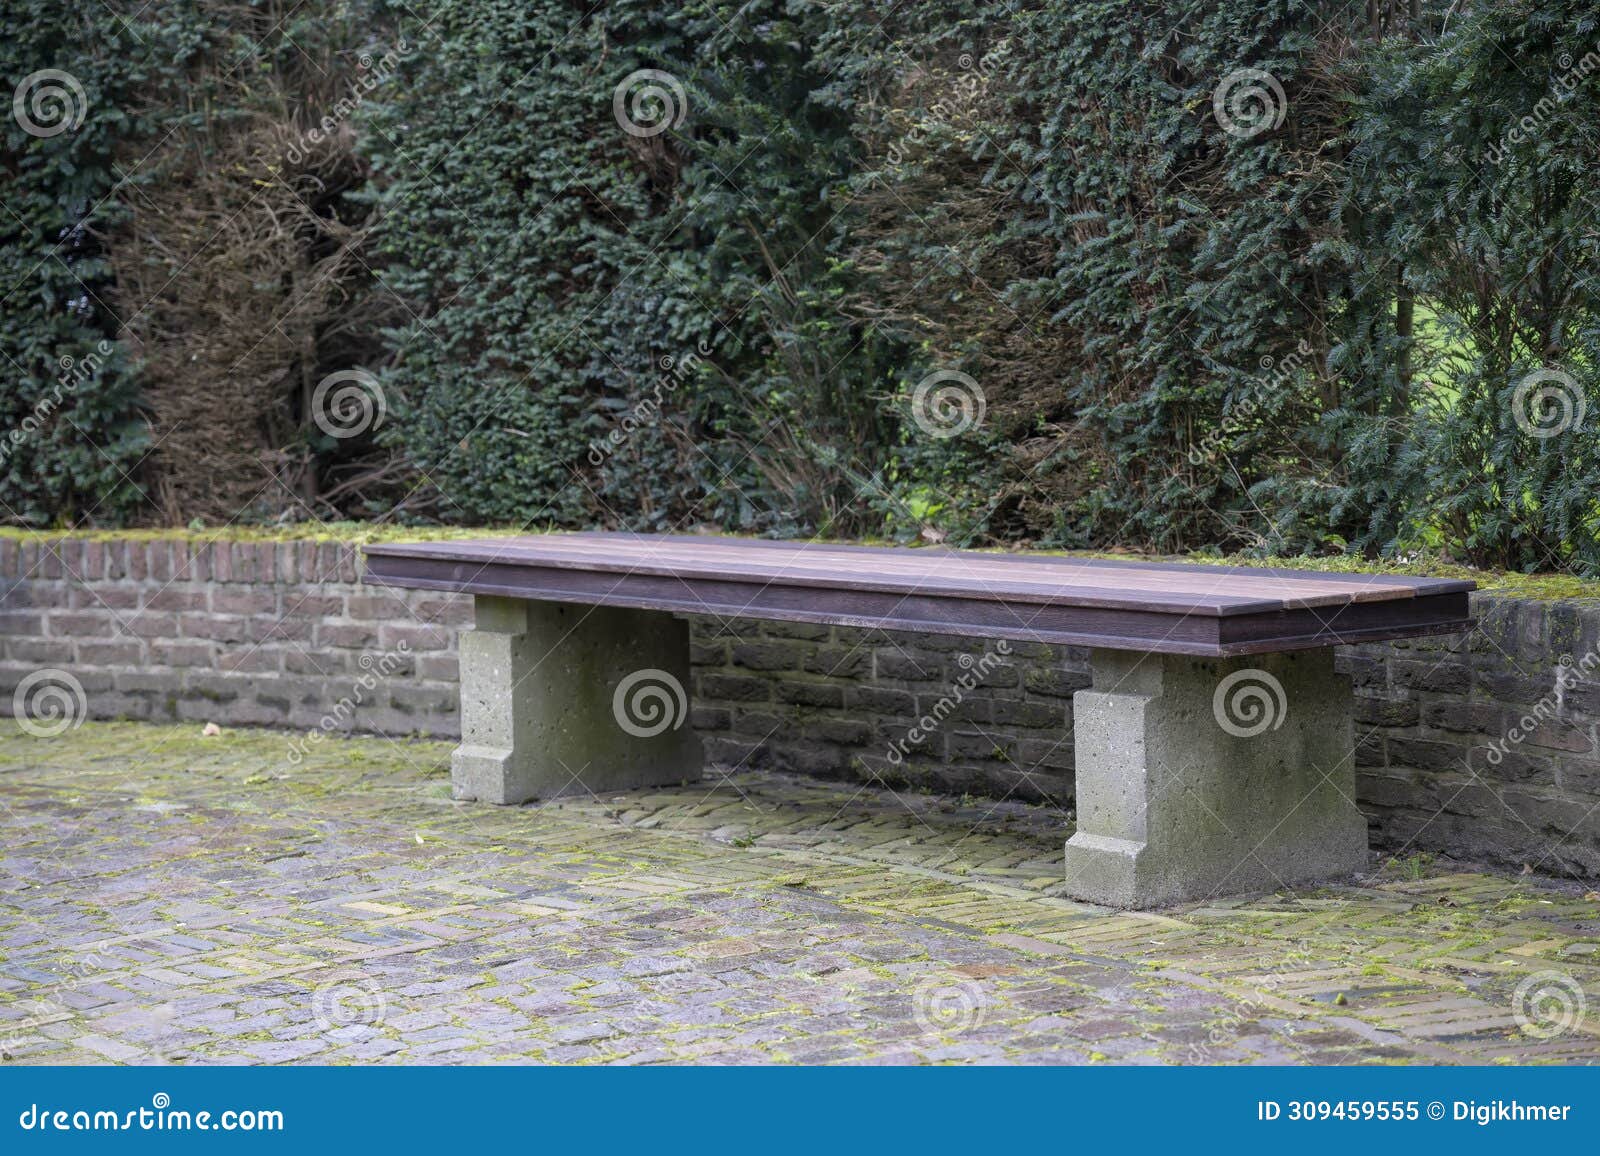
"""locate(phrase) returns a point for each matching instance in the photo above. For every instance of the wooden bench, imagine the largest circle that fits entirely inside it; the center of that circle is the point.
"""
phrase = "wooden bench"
(1214, 751)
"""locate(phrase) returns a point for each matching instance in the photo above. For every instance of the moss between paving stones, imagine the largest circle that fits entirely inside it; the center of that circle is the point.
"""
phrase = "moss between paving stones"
(1534, 587)
(629, 929)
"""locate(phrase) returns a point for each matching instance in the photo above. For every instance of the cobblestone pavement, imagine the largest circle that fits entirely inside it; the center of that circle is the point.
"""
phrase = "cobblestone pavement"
(172, 898)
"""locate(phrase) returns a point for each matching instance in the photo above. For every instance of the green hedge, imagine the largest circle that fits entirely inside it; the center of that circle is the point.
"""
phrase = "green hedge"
(1245, 276)
(70, 432)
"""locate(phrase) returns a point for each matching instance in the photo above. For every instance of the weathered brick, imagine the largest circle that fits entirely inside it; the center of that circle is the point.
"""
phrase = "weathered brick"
(735, 688)
(708, 653)
(1367, 666)
(342, 636)
(41, 651)
(104, 597)
(151, 624)
(837, 662)
(1510, 686)
(1446, 677)
(892, 664)
(234, 600)
(1046, 754)
(880, 700)
(438, 667)
(1371, 711)
(15, 623)
(708, 718)
(216, 627)
(415, 637)
(109, 653)
(422, 698)
(278, 630)
(175, 598)
(1055, 683)
(158, 561)
(447, 611)
(1561, 735)
(840, 730)
(998, 747)
(1011, 712)
(1509, 764)
(1463, 715)
(767, 655)
(301, 604)
(169, 652)
(810, 693)
(1425, 754)
(1579, 777)
(324, 663)
(253, 659)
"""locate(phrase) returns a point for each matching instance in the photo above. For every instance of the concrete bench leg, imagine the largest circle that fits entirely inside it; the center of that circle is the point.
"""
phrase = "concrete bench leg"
(1200, 777)
(560, 699)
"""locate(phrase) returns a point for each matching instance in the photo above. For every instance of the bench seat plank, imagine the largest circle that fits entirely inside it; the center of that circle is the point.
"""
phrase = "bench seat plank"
(1157, 607)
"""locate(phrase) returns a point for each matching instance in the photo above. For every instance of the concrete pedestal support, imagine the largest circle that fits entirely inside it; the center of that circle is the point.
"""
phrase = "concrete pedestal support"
(560, 699)
(1202, 777)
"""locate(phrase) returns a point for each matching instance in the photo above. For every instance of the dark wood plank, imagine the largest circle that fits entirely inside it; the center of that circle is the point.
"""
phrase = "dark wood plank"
(1165, 586)
(1188, 611)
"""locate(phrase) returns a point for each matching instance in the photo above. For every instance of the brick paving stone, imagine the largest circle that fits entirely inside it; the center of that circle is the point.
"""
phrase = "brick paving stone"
(187, 899)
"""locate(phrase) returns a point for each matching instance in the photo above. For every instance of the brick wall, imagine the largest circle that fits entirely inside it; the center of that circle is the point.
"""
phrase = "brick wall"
(282, 634)
(277, 634)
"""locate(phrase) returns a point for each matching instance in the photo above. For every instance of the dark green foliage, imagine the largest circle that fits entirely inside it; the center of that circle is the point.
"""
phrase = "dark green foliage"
(70, 431)
(1481, 147)
(1260, 275)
